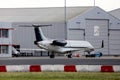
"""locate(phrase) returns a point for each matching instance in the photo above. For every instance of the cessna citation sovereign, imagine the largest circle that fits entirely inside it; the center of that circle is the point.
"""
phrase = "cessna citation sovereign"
(60, 46)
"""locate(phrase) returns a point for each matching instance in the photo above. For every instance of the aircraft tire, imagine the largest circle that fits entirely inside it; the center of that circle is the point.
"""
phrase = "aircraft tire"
(69, 55)
(52, 56)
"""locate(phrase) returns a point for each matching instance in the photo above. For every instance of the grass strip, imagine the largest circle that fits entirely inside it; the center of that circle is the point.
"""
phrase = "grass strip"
(59, 76)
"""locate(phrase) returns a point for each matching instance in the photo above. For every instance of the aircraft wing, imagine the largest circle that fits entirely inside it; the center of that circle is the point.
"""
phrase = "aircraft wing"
(65, 50)
(28, 49)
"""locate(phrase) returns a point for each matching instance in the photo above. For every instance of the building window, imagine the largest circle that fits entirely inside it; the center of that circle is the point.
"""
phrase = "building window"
(4, 49)
(4, 33)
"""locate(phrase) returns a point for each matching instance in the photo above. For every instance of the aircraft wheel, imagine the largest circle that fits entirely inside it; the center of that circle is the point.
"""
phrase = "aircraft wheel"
(52, 56)
(69, 55)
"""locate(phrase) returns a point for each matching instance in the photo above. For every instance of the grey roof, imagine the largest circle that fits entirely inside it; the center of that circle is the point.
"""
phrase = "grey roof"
(115, 13)
(51, 14)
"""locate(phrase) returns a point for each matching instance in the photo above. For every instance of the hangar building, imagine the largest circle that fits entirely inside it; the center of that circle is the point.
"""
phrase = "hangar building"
(83, 23)
(115, 13)
(96, 25)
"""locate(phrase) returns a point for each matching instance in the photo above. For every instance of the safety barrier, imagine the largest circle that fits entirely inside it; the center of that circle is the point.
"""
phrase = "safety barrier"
(60, 68)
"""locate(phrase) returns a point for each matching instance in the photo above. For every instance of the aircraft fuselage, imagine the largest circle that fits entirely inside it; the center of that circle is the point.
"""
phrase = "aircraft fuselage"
(71, 46)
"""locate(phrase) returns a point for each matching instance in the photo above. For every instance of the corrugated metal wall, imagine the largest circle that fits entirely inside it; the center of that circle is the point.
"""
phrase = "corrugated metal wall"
(114, 42)
(95, 32)
(76, 34)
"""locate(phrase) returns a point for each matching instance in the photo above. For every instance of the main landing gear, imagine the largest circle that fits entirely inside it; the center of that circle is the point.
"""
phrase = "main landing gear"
(52, 55)
(69, 55)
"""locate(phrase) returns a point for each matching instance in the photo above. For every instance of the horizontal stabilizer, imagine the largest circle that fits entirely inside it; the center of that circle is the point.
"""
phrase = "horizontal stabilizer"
(36, 25)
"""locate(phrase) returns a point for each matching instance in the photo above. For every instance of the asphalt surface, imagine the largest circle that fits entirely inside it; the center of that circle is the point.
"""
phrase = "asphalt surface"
(59, 60)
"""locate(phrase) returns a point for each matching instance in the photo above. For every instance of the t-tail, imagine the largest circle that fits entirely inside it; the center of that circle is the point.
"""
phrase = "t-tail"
(38, 33)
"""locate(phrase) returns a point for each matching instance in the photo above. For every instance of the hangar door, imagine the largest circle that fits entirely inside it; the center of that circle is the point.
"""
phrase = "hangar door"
(114, 41)
(97, 30)
(76, 34)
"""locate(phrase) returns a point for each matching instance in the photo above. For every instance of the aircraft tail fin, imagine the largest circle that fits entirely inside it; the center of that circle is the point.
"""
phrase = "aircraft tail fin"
(39, 34)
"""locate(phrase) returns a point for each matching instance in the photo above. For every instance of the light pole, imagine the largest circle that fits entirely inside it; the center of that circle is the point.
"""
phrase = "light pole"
(94, 2)
(65, 19)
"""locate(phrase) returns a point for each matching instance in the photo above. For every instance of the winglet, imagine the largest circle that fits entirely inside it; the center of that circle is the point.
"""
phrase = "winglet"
(102, 46)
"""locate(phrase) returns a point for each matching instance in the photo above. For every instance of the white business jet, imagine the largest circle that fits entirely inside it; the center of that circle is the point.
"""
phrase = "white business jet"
(60, 46)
